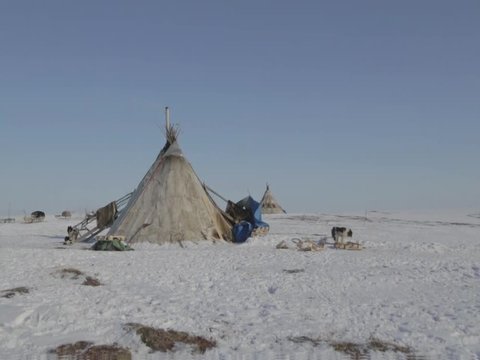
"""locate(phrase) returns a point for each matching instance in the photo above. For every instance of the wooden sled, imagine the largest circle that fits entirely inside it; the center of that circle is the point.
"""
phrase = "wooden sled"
(301, 245)
(309, 245)
(30, 219)
(348, 246)
(7, 220)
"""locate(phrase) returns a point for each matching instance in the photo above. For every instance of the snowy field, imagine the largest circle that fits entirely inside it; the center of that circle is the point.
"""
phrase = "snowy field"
(416, 284)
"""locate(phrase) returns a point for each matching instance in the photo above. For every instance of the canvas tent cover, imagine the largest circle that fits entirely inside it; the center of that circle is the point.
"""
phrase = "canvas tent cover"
(171, 205)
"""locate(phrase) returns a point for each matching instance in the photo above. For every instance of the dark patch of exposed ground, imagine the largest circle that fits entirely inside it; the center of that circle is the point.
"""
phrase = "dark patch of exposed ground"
(9, 293)
(165, 340)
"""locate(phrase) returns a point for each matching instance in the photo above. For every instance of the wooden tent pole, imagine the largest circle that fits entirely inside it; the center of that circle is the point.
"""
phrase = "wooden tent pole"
(167, 117)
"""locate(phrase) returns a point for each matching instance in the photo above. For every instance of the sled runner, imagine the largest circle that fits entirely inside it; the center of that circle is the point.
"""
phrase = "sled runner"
(348, 246)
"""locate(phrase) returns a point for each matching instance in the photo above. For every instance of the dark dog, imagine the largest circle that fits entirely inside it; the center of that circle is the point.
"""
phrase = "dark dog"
(72, 236)
(339, 233)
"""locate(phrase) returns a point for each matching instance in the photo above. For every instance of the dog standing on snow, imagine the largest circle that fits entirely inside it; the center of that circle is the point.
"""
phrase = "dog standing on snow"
(340, 233)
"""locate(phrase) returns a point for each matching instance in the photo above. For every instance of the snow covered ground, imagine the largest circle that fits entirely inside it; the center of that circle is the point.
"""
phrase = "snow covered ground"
(416, 283)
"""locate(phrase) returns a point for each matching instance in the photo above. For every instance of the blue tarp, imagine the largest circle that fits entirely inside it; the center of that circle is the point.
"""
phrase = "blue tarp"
(243, 229)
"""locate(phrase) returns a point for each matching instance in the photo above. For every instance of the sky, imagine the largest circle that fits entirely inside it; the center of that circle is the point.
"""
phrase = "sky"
(338, 105)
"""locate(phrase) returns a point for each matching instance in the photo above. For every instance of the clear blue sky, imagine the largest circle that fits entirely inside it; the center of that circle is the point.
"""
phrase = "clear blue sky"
(339, 105)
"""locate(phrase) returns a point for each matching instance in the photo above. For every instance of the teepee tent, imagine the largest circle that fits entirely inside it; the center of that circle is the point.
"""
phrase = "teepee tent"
(170, 204)
(269, 204)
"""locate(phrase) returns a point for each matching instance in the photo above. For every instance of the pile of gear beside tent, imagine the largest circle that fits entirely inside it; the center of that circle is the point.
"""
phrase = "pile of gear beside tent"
(110, 243)
(247, 214)
(171, 205)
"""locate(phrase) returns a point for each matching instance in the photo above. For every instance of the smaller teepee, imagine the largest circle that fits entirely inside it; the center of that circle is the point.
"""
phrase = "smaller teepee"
(269, 204)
